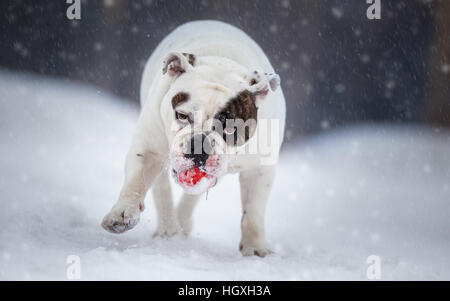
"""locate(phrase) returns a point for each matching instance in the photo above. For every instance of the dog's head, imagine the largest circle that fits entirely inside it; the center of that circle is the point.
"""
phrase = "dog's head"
(213, 110)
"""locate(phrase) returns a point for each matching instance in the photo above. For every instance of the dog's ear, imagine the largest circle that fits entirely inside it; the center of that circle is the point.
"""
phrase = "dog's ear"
(177, 63)
(261, 82)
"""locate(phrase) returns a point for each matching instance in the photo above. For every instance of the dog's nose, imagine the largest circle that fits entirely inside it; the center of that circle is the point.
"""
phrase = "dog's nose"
(199, 149)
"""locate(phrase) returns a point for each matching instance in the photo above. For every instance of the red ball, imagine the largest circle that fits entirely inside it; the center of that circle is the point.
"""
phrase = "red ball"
(191, 176)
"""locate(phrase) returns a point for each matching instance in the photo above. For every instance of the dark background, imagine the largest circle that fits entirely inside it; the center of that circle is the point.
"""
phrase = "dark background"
(337, 67)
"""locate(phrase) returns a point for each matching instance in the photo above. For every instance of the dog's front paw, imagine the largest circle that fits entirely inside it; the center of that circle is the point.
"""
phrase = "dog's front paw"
(255, 249)
(122, 217)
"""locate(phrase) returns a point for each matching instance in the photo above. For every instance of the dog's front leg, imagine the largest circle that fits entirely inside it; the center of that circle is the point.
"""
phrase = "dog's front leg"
(141, 168)
(255, 188)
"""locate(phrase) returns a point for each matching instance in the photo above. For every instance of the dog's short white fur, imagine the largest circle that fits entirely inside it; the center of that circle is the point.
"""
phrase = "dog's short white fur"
(226, 59)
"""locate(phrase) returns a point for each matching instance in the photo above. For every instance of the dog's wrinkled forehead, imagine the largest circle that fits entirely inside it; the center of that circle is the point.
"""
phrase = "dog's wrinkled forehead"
(227, 74)
(218, 86)
(200, 97)
(201, 86)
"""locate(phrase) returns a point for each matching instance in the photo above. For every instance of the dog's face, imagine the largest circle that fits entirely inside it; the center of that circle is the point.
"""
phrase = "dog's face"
(214, 106)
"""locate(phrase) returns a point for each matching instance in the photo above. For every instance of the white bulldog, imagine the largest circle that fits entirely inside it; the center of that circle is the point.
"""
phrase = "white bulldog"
(210, 106)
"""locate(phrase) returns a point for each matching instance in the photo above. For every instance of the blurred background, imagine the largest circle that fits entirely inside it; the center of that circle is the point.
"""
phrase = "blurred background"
(337, 66)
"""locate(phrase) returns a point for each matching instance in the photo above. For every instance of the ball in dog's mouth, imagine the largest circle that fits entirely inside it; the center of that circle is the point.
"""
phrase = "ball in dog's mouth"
(194, 180)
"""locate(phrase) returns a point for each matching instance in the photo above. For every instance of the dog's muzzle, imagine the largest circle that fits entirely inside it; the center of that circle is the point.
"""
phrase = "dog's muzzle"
(199, 150)
(194, 169)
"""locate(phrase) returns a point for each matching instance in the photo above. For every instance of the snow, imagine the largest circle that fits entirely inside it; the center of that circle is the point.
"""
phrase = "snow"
(339, 198)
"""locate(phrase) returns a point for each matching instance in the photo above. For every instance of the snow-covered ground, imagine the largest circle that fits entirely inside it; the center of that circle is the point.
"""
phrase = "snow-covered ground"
(338, 198)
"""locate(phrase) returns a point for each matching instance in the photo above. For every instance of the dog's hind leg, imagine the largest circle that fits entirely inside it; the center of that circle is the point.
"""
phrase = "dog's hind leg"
(255, 188)
(185, 210)
(162, 194)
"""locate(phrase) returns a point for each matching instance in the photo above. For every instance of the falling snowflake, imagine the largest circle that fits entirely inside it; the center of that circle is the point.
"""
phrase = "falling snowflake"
(365, 58)
(98, 46)
(109, 3)
(324, 124)
(273, 28)
(427, 169)
(337, 12)
(339, 88)
(445, 68)
(375, 237)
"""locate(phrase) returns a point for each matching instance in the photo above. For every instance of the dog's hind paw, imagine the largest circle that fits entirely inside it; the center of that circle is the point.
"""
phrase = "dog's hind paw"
(261, 250)
(166, 231)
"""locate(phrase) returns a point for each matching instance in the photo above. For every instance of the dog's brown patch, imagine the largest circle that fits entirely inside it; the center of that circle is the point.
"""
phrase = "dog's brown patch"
(190, 57)
(179, 98)
(241, 107)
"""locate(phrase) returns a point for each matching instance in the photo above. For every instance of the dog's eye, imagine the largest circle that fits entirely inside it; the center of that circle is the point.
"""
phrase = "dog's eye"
(184, 118)
(229, 131)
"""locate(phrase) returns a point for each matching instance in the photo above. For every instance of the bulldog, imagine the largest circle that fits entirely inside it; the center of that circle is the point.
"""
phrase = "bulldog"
(210, 105)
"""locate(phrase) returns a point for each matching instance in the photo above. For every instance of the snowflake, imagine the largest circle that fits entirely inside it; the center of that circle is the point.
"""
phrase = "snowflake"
(375, 237)
(337, 12)
(324, 124)
(98, 46)
(339, 88)
(109, 3)
(445, 68)
(273, 28)
(365, 58)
